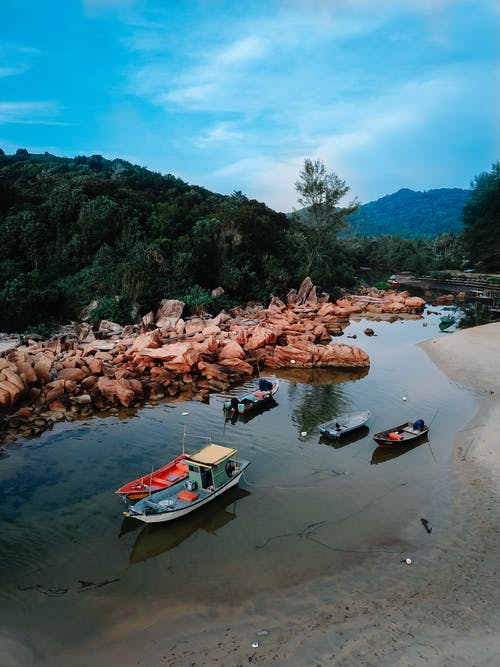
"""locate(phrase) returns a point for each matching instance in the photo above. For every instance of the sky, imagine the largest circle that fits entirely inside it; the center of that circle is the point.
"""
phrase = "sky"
(233, 96)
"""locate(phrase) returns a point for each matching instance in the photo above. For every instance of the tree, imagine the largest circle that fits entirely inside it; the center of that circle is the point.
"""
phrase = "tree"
(481, 217)
(321, 218)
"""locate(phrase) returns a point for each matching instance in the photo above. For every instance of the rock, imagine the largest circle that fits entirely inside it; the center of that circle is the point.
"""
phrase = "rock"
(76, 374)
(169, 313)
(260, 337)
(306, 290)
(148, 319)
(231, 350)
(107, 328)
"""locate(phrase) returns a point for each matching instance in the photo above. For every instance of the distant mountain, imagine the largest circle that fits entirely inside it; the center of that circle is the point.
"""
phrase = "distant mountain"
(411, 214)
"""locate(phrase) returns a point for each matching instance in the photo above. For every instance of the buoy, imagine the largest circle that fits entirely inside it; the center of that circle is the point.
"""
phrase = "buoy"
(303, 434)
(404, 398)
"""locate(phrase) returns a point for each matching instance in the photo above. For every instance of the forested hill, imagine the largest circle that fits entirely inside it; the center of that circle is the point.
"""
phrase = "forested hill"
(411, 214)
(77, 229)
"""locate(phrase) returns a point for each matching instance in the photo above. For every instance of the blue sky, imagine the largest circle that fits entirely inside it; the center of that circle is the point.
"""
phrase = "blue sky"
(234, 95)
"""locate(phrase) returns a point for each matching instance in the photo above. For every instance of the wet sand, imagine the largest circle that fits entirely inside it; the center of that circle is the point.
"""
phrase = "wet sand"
(442, 609)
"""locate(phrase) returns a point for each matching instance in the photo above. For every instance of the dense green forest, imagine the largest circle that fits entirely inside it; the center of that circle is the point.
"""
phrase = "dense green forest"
(83, 229)
(412, 214)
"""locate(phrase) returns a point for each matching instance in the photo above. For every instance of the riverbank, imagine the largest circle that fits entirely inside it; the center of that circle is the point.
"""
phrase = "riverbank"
(440, 610)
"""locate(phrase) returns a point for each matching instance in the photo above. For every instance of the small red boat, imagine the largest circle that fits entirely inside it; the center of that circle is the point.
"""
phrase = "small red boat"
(156, 480)
(393, 281)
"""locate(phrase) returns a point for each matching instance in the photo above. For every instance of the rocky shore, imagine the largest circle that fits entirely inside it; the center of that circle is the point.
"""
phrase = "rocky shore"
(81, 371)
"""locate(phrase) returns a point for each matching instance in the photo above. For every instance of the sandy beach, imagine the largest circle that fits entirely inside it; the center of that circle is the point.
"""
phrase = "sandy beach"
(442, 609)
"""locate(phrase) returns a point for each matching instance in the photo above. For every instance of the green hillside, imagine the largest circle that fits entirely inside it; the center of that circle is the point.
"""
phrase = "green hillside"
(411, 214)
(73, 230)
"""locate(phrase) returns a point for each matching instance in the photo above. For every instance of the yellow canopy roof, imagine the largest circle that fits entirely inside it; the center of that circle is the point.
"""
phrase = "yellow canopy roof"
(212, 455)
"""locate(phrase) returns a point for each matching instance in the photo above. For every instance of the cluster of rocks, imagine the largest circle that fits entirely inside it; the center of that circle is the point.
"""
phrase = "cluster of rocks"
(80, 371)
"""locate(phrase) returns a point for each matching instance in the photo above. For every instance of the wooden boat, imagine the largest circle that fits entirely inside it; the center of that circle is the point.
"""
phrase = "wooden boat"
(342, 424)
(402, 434)
(264, 392)
(156, 480)
(213, 470)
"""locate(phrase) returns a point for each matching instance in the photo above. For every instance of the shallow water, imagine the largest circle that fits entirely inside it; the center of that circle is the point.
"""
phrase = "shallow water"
(69, 560)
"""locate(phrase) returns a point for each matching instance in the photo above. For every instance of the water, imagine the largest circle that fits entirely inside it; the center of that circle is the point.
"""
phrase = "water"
(70, 561)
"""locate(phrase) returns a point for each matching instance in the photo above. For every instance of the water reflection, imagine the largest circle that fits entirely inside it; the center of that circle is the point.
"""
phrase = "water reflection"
(347, 439)
(234, 417)
(314, 376)
(155, 539)
(383, 454)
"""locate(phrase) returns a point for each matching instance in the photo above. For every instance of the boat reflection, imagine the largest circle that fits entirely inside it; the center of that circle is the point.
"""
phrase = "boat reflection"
(234, 417)
(155, 539)
(347, 439)
(383, 454)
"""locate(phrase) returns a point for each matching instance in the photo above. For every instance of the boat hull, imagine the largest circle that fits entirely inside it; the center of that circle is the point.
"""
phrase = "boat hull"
(253, 400)
(170, 514)
(405, 435)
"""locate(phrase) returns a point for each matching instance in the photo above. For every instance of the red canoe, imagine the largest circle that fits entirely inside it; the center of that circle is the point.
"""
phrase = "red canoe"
(157, 480)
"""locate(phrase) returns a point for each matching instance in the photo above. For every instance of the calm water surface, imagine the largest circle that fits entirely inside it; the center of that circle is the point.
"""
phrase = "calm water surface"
(306, 507)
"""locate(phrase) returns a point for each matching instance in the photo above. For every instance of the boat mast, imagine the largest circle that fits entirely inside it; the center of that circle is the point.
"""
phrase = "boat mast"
(184, 414)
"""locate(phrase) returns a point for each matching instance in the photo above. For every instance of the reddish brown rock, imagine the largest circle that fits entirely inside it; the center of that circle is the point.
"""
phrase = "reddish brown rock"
(231, 350)
(260, 337)
(169, 313)
(76, 374)
(237, 365)
(42, 368)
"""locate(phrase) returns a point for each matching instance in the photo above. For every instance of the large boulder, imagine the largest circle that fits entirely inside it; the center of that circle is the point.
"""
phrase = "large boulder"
(169, 313)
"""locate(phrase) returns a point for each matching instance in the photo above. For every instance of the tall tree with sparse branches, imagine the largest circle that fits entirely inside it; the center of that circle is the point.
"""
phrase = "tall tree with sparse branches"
(321, 217)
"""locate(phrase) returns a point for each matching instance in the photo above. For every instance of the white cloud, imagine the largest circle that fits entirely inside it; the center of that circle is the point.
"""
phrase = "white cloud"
(31, 113)
(220, 133)
(206, 85)
(12, 71)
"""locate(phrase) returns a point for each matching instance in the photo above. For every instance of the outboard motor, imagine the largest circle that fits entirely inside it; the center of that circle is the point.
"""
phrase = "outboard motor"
(265, 385)
(418, 425)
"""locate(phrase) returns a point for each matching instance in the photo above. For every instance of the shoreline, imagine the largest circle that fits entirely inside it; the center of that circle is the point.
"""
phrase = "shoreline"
(439, 611)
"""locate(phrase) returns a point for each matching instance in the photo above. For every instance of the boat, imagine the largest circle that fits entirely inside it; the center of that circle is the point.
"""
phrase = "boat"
(263, 393)
(156, 480)
(481, 295)
(402, 434)
(393, 281)
(213, 470)
(342, 424)
(446, 323)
